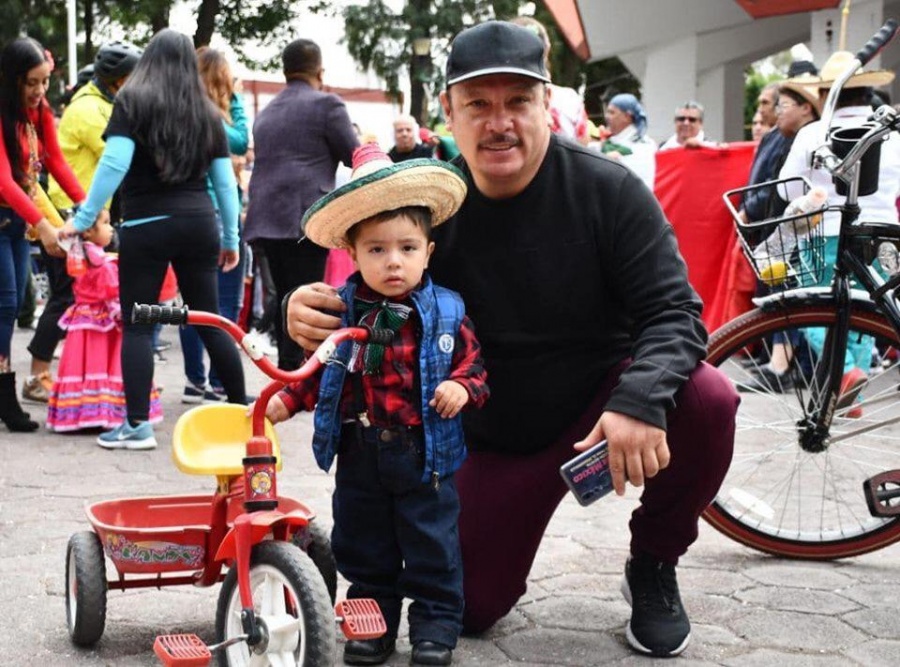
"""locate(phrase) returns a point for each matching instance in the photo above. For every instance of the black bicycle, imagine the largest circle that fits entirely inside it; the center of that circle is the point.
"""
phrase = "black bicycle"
(816, 469)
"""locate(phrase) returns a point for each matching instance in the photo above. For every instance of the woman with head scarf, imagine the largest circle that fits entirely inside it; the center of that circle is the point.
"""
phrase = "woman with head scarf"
(629, 143)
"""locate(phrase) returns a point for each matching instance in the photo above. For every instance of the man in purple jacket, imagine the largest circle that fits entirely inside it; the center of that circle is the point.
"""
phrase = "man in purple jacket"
(299, 138)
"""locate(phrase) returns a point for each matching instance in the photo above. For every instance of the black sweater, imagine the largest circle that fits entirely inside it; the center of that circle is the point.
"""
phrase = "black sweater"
(563, 281)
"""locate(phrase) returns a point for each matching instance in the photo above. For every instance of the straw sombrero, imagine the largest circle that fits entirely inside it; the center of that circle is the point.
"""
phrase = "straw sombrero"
(838, 62)
(378, 185)
(806, 86)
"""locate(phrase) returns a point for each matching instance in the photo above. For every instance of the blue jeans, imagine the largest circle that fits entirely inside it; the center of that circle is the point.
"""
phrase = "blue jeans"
(231, 296)
(395, 536)
(14, 259)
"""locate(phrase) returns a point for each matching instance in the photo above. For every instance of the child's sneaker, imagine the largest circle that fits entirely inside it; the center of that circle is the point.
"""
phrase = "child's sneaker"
(37, 387)
(126, 436)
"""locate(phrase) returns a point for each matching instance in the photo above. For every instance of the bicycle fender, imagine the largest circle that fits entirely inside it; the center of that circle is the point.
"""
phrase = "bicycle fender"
(812, 296)
(261, 525)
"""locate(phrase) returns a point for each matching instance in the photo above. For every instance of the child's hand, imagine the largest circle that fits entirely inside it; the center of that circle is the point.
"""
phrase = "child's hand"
(276, 411)
(449, 399)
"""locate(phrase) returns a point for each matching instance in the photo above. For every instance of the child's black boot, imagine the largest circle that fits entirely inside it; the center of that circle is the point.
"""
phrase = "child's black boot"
(431, 653)
(368, 651)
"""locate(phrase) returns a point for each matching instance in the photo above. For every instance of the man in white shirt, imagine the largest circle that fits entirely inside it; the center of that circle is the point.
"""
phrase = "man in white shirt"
(688, 128)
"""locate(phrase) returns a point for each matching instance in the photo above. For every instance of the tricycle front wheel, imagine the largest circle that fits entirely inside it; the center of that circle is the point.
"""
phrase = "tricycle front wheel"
(85, 588)
(292, 604)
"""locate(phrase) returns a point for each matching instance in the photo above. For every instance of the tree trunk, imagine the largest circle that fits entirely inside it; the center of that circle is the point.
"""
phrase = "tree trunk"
(88, 31)
(206, 22)
(160, 17)
(418, 12)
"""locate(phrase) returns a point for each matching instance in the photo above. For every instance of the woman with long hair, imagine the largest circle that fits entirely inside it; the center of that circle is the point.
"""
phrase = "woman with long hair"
(27, 146)
(163, 139)
(219, 83)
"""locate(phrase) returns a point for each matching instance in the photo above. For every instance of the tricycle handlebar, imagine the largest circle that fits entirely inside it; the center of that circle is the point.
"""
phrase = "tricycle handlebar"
(146, 313)
(152, 314)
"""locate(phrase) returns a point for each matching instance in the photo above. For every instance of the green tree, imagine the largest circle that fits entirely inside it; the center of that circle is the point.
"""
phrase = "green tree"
(381, 39)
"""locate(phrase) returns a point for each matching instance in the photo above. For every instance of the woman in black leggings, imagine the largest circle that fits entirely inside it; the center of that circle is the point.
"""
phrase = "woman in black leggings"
(163, 139)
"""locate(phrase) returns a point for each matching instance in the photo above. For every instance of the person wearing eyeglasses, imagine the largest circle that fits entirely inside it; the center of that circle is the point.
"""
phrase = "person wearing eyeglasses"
(688, 128)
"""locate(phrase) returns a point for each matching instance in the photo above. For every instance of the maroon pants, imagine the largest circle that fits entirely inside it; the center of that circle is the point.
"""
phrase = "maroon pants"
(508, 500)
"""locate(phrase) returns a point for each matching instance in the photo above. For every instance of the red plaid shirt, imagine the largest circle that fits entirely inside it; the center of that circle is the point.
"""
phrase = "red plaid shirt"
(391, 398)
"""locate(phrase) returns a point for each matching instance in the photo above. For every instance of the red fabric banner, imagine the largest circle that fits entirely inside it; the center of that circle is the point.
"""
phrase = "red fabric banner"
(689, 186)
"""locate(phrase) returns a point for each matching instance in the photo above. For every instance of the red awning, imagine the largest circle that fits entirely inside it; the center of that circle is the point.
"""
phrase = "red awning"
(761, 8)
(568, 20)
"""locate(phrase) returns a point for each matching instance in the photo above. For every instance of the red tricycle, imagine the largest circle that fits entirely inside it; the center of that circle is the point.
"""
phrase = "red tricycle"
(275, 562)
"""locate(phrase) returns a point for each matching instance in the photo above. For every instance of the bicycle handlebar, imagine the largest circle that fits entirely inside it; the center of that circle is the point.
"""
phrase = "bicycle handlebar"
(878, 41)
(824, 157)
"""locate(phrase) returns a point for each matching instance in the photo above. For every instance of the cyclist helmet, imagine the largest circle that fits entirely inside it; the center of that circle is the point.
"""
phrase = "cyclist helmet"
(115, 60)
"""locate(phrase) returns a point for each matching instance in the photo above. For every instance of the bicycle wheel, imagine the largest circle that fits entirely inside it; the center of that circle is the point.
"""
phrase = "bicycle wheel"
(292, 605)
(787, 493)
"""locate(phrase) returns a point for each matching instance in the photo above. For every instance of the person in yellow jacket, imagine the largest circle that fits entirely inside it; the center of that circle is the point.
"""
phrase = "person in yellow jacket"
(80, 135)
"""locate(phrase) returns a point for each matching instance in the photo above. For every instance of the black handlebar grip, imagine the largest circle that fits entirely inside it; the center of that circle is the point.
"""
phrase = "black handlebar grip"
(879, 41)
(144, 313)
(380, 336)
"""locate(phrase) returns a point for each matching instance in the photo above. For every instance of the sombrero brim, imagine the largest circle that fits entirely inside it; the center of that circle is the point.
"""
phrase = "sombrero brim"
(436, 185)
(872, 79)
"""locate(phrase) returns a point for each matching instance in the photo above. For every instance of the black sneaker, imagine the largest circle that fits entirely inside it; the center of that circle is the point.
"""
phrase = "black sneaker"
(766, 380)
(659, 625)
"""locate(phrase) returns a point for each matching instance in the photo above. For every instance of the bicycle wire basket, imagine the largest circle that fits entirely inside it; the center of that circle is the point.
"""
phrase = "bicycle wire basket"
(784, 251)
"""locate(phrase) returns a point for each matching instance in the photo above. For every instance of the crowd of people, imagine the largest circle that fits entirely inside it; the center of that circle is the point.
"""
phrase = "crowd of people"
(450, 442)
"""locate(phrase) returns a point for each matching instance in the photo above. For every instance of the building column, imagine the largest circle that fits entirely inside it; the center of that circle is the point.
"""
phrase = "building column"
(720, 90)
(669, 79)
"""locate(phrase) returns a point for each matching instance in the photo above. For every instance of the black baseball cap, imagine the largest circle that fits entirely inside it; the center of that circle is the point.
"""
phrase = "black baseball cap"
(496, 47)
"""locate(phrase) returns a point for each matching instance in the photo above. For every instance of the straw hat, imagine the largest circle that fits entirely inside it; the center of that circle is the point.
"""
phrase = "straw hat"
(378, 185)
(806, 86)
(838, 62)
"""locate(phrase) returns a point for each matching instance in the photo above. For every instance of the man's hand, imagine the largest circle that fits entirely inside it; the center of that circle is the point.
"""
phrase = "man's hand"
(306, 324)
(637, 450)
(449, 398)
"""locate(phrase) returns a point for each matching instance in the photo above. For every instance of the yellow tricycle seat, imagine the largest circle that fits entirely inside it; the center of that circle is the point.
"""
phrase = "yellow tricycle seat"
(212, 440)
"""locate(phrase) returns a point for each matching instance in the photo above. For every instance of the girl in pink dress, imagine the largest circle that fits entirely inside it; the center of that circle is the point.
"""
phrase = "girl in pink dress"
(88, 391)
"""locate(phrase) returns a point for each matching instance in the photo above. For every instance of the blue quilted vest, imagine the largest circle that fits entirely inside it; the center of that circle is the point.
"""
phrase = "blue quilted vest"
(441, 312)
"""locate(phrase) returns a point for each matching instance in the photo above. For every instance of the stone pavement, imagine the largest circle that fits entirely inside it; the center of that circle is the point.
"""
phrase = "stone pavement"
(747, 608)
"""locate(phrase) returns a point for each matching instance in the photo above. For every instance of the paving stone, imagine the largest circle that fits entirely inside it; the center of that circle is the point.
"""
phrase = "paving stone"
(565, 647)
(795, 630)
(883, 594)
(797, 599)
(876, 653)
(879, 622)
(769, 657)
(821, 576)
(578, 613)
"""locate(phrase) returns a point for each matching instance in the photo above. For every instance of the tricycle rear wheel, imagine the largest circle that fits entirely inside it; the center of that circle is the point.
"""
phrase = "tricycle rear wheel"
(85, 588)
(290, 599)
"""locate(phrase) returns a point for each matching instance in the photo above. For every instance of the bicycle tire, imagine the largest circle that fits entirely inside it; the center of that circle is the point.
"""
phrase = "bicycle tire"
(284, 583)
(779, 498)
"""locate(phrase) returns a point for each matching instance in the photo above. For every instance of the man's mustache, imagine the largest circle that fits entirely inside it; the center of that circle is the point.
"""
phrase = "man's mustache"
(500, 140)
